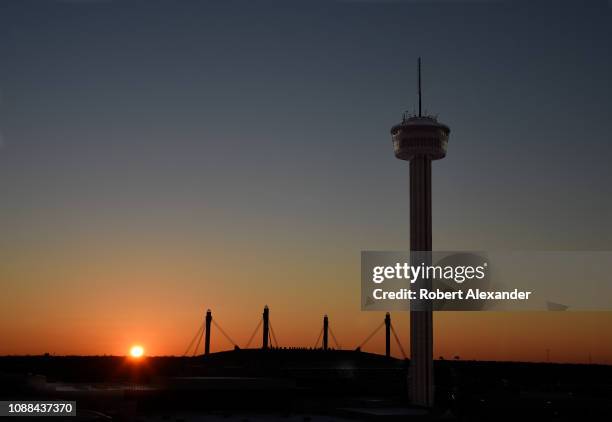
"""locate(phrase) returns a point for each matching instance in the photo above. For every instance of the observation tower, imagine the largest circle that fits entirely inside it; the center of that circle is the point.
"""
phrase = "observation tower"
(420, 139)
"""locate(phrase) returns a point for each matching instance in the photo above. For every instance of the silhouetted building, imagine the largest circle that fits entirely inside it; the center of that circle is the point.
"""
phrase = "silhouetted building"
(266, 327)
(325, 329)
(388, 335)
(207, 335)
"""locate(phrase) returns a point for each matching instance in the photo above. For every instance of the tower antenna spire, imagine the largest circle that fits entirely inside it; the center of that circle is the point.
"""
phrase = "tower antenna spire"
(419, 72)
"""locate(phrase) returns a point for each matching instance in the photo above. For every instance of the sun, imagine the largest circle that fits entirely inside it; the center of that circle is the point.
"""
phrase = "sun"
(136, 351)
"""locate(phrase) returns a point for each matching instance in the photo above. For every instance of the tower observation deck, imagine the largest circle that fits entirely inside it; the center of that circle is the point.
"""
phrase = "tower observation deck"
(420, 136)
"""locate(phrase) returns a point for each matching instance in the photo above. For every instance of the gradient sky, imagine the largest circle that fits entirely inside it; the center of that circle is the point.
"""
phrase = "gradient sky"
(158, 158)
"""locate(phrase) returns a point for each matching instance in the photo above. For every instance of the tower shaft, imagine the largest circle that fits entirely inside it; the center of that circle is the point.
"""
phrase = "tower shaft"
(421, 321)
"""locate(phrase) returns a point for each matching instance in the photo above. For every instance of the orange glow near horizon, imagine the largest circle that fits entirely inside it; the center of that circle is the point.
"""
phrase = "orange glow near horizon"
(70, 306)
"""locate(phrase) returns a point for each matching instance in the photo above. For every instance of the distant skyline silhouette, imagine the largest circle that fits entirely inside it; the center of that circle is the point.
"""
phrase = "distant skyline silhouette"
(161, 158)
